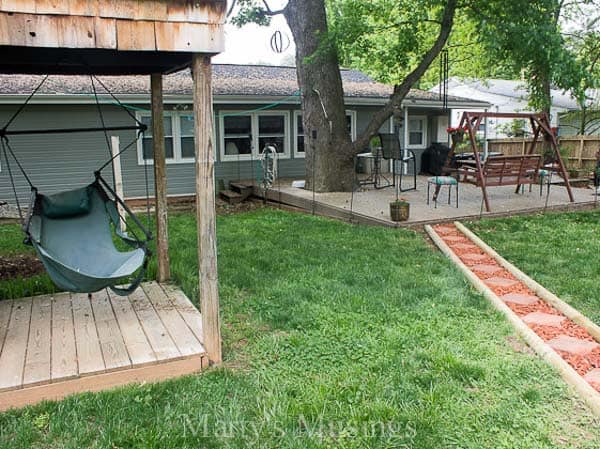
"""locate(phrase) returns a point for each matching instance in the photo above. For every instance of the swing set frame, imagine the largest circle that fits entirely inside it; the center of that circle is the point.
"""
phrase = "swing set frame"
(542, 133)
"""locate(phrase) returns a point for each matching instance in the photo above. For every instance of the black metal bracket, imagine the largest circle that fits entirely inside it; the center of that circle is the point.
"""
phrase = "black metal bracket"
(5, 132)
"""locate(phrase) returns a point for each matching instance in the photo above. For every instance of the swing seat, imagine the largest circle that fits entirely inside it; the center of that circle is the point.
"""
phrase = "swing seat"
(72, 234)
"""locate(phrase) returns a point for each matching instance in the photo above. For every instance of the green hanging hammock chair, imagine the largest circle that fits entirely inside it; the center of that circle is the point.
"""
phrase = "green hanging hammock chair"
(74, 232)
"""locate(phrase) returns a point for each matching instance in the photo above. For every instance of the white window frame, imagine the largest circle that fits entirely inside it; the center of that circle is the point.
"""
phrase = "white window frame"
(176, 136)
(254, 131)
(183, 160)
(422, 145)
(286, 131)
(234, 157)
(298, 118)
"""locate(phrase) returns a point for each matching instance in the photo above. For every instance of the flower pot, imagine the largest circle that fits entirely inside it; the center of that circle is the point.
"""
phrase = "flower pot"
(399, 211)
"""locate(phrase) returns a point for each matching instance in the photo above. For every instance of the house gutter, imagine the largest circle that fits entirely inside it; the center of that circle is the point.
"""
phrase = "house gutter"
(144, 99)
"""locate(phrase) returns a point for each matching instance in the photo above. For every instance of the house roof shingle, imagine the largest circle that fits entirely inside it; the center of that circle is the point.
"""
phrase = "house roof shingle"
(228, 80)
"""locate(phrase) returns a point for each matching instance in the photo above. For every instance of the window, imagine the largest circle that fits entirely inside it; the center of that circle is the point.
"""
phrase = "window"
(271, 131)
(417, 132)
(237, 131)
(147, 140)
(245, 135)
(186, 134)
(299, 149)
(299, 139)
(179, 138)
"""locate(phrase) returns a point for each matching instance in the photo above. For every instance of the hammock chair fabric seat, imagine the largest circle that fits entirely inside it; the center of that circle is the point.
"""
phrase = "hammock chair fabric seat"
(71, 232)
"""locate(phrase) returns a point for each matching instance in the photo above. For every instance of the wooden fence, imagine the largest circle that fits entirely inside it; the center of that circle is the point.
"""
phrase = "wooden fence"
(580, 150)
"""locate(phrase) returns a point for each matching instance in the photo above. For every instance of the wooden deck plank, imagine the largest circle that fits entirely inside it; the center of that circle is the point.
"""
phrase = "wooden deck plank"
(138, 346)
(184, 338)
(56, 345)
(163, 345)
(186, 309)
(102, 381)
(89, 353)
(37, 362)
(111, 341)
(64, 351)
(5, 310)
(12, 359)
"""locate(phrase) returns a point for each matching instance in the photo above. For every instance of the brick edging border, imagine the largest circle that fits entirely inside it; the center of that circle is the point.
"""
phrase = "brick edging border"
(539, 290)
(584, 389)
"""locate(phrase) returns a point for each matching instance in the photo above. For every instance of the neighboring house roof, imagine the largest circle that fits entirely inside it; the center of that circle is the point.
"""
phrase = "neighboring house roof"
(228, 80)
(507, 88)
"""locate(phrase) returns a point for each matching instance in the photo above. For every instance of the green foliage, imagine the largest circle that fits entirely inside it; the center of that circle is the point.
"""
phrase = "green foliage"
(336, 336)
(250, 11)
(386, 39)
(514, 128)
(527, 34)
(494, 39)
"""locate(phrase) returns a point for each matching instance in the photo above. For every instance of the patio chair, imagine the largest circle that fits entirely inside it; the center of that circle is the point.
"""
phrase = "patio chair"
(390, 150)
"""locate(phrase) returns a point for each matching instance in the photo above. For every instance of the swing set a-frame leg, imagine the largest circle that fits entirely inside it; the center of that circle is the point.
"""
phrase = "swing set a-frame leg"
(544, 124)
(485, 198)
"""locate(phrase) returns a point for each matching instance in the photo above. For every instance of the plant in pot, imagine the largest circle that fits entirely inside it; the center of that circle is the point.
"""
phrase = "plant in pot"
(399, 209)
(457, 134)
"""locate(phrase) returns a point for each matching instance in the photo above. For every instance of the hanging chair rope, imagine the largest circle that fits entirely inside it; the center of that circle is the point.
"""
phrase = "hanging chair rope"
(102, 122)
(12, 180)
(25, 103)
(139, 127)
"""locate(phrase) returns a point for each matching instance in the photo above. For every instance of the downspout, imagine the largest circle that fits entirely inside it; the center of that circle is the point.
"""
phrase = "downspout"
(485, 134)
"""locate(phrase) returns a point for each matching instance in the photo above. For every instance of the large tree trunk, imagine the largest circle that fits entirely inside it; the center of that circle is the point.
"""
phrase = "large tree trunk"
(329, 161)
(329, 150)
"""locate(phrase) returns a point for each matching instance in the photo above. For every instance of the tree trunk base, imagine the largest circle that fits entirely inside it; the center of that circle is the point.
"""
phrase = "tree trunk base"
(335, 176)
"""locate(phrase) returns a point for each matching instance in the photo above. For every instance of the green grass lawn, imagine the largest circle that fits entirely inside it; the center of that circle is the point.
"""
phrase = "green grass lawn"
(560, 251)
(335, 336)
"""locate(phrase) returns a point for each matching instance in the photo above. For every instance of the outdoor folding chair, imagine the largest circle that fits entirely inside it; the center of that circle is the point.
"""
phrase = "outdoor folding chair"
(390, 150)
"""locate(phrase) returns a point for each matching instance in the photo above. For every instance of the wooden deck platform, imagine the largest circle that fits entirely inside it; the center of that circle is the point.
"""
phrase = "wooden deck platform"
(55, 345)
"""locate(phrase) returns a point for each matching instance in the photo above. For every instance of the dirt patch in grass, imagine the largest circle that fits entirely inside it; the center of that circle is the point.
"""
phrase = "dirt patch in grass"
(224, 208)
(518, 345)
(19, 265)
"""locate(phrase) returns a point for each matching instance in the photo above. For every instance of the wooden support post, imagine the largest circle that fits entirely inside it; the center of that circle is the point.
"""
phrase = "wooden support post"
(114, 146)
(580, 152)
(205, 206)
(480, 177)
(160, 179)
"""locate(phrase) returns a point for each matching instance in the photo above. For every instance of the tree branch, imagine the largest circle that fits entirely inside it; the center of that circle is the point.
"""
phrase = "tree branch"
(269, 11)
(233, 3)
(401, 24)
(400, 91)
